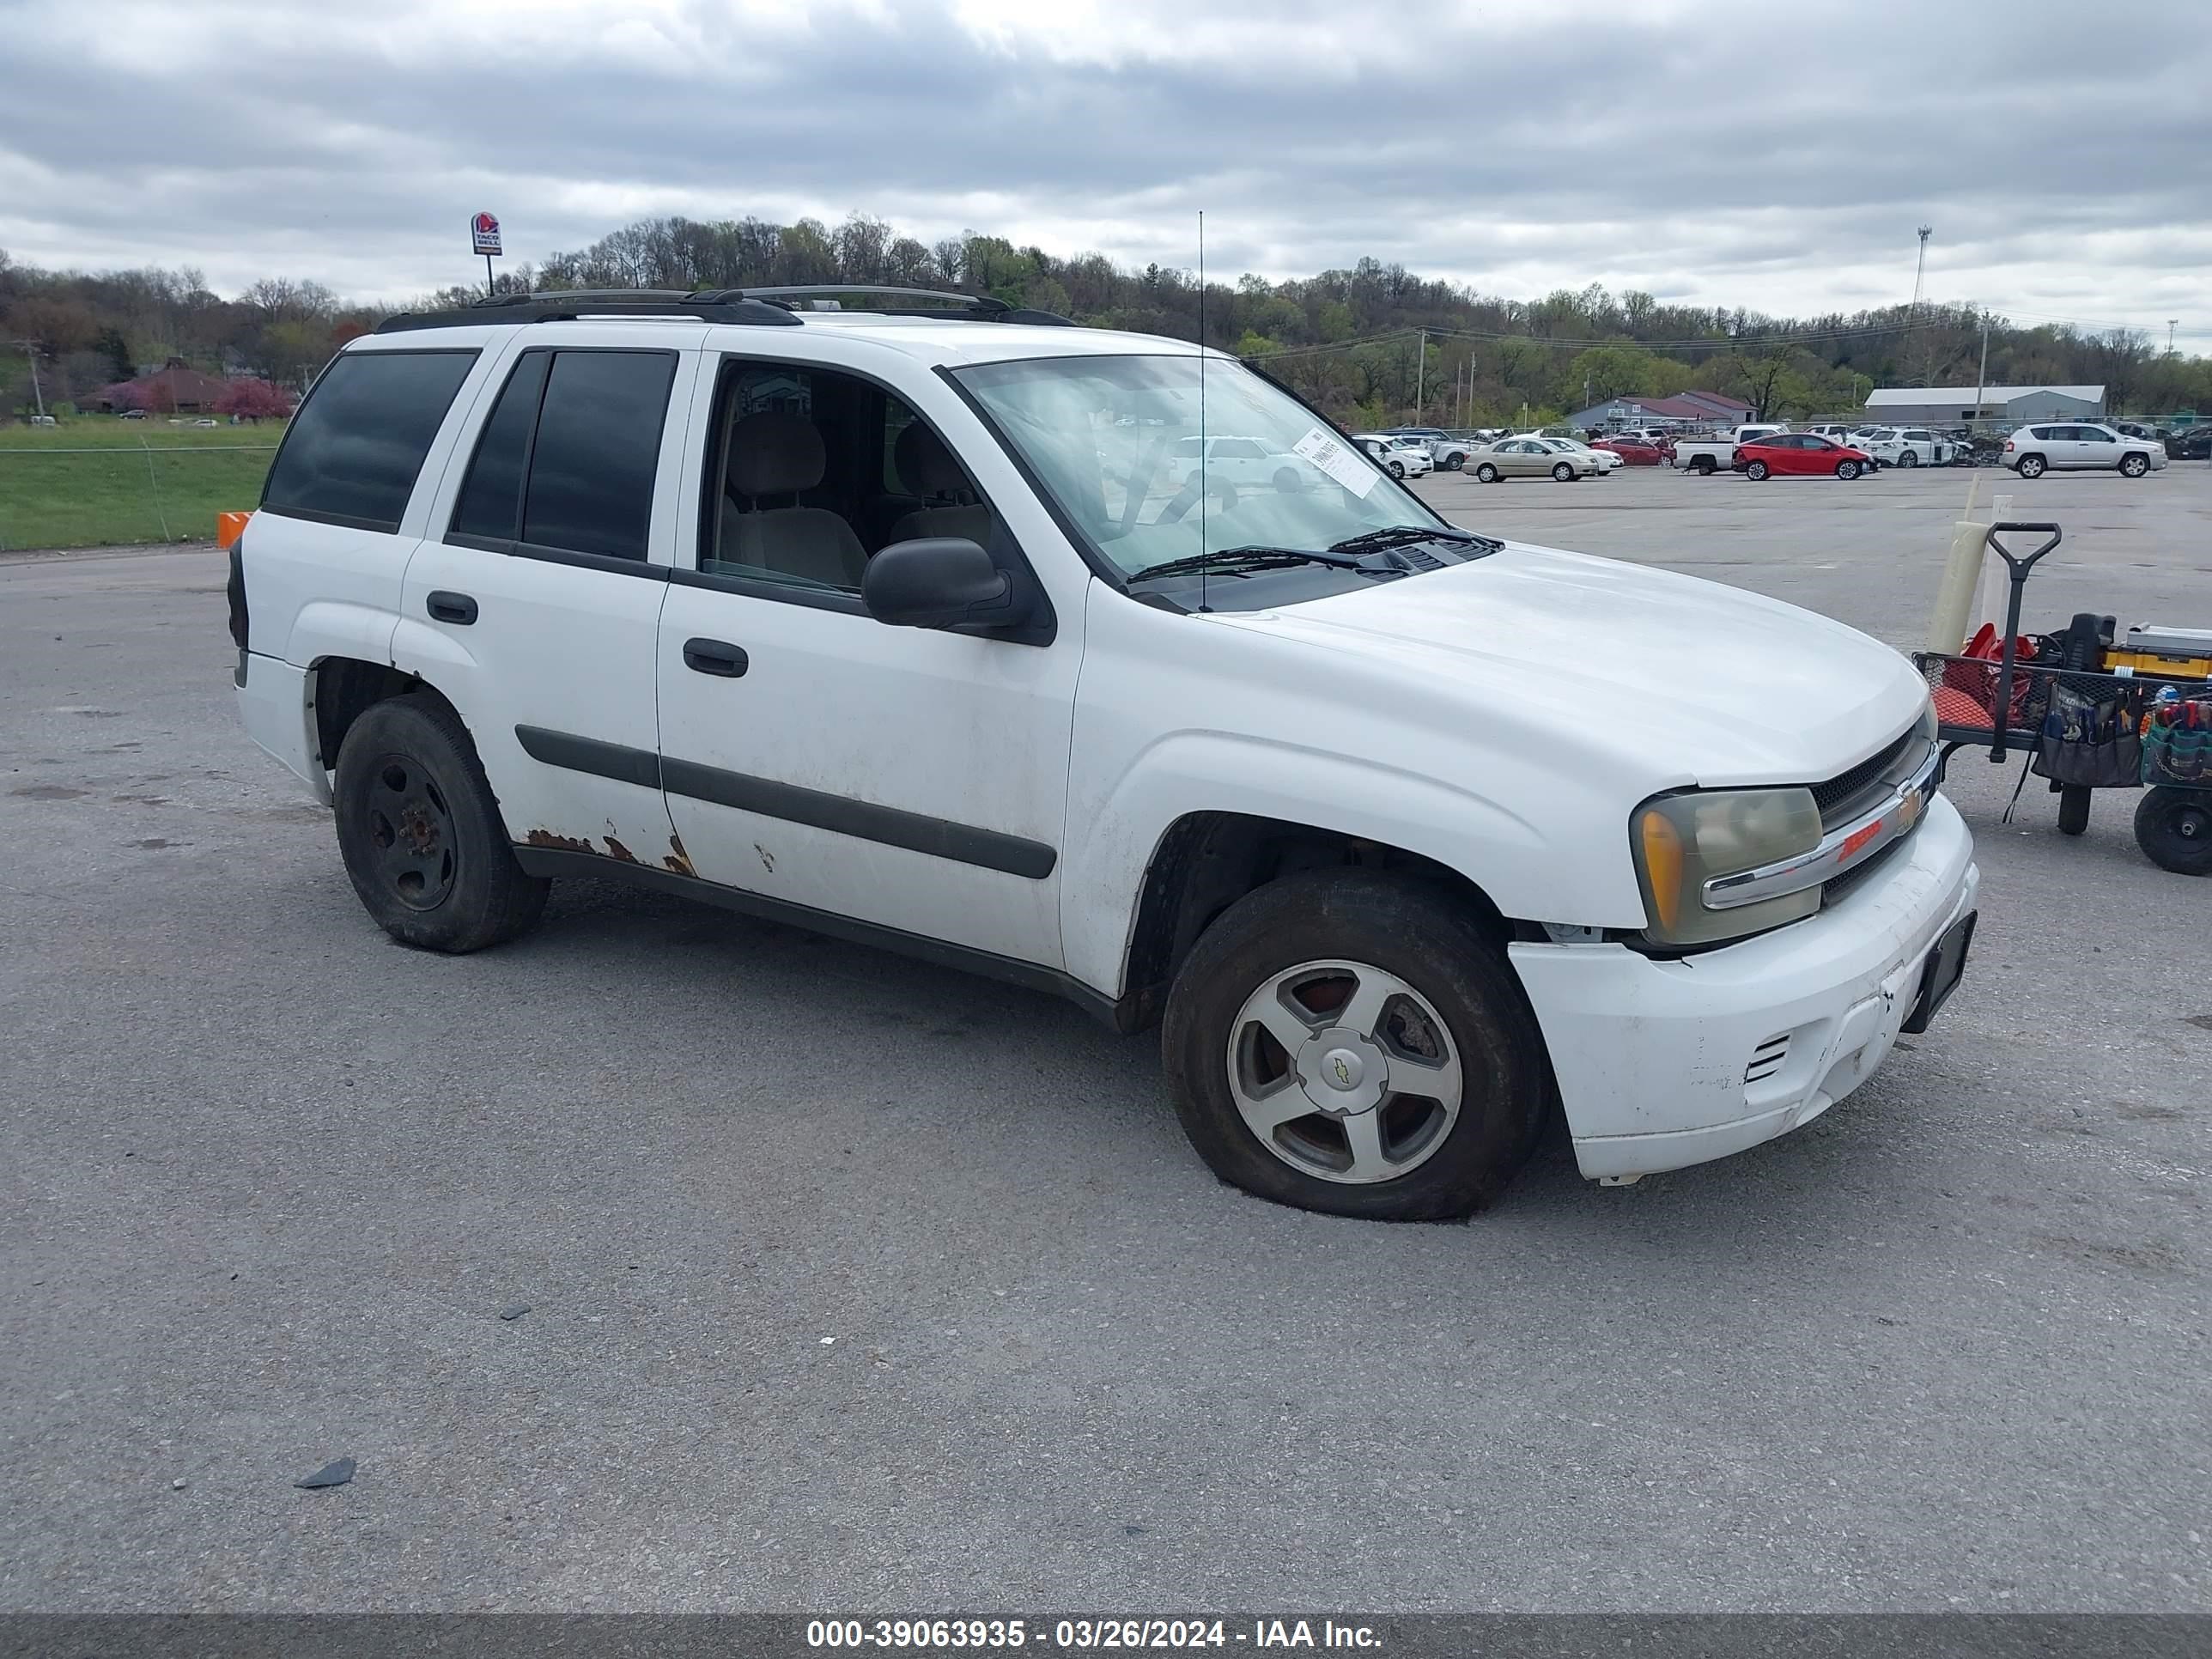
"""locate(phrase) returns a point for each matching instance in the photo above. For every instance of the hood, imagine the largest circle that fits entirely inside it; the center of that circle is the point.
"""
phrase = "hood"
(1667, 678)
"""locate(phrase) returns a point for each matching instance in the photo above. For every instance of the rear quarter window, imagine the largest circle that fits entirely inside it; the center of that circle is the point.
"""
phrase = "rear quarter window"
(354, 449)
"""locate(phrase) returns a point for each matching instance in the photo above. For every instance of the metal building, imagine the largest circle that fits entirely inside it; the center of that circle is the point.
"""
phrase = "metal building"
(1942, 405)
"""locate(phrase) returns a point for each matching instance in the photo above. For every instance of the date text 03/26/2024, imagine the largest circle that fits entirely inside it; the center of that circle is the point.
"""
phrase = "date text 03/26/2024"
(1086, 1635)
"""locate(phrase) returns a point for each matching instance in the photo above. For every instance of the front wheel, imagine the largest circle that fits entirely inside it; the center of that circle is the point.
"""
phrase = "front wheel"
(1564, 472)
(2173, 827)
(1353, 1043)
(1847, 469)
(1398, 470)
(2074, 809)
(2030, 466)
(421, 834)
(1453, 463)
(1756, 471)
(2134, 466)
(1486, 473)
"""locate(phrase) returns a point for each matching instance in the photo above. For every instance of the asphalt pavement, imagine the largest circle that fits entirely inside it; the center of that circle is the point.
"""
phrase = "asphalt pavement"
(854, 1285)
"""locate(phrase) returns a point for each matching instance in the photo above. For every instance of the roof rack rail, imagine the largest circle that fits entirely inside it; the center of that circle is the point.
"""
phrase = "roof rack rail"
(972, 307)
(566, 306)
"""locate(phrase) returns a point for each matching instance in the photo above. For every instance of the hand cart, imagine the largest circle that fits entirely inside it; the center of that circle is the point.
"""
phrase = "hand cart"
(2147, 726)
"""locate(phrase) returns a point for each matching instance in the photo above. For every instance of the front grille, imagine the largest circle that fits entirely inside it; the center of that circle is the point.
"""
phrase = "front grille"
(1845, 796)
(1836, 888)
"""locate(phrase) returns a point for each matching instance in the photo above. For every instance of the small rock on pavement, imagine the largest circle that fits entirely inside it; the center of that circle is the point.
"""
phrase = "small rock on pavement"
(331, 1474)
(514, 1311)
(178, 1486)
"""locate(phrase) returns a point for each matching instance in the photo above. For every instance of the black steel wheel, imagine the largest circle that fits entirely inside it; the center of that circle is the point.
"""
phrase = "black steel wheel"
(2173, 827)
(2073, 809)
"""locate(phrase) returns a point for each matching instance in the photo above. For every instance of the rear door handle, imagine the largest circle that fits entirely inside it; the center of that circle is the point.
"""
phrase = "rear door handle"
(716, 657)
(456, 608)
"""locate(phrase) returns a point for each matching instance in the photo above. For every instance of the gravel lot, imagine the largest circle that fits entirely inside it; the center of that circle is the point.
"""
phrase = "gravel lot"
(853, 1284)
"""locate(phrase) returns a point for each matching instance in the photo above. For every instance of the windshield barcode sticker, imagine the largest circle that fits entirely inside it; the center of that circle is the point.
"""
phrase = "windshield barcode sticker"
(1334, 457)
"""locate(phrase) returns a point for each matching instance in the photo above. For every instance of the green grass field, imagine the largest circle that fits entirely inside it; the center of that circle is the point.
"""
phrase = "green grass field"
(93, 481)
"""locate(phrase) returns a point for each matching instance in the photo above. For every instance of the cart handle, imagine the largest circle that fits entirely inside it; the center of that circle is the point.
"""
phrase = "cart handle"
(2019, 568)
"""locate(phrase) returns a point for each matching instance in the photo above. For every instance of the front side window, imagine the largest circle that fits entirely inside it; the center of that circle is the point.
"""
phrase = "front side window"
(357, 443)
(1098, 433)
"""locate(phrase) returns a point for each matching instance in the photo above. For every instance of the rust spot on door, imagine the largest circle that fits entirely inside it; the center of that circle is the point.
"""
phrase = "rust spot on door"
(564, 843)
(620, 851)
(677, 858)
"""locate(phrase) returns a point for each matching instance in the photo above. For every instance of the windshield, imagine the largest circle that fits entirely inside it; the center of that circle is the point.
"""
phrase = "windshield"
(1114, 441)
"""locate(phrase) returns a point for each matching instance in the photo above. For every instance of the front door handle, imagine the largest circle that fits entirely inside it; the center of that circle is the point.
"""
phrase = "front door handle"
(456, 608)
(716, 657)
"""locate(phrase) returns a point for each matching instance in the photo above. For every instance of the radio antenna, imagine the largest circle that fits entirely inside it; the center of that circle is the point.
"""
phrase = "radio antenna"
(1204, 458)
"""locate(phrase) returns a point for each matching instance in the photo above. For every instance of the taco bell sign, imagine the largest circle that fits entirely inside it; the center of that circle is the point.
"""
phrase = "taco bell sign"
(483, 234)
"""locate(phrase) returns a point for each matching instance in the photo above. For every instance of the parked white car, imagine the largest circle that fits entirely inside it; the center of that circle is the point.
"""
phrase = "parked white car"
(898, 629)
(1401, 458)
(1233, 463)
(1908, 446)
(1604, 460)
(2070, 446)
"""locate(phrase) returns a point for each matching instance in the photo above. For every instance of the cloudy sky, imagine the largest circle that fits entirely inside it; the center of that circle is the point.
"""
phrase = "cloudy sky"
(1776, 154)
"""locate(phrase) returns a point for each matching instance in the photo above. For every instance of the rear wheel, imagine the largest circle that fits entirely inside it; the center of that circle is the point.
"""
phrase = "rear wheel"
(1564, 472)
(1486, 473)
(1286, 481)
(1910, 457)
(1847, 469)
(2073, 809)
(2173, 827)
(2134, 466)
(1703, 466)
(1353, 1043)
(1756, 471)
(2030, 466)
(422, 836)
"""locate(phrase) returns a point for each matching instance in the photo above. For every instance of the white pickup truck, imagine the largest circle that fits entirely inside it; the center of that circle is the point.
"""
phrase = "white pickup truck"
(1711, 455)
(904, 630)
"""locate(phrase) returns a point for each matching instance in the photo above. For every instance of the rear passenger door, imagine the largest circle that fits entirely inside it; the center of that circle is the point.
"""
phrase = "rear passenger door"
(533, 604)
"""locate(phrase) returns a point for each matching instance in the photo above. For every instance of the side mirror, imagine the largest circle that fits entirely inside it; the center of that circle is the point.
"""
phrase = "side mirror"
(939, 582)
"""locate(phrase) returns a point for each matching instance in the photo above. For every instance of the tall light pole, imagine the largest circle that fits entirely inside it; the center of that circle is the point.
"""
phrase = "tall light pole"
(31, 350)
(1981, 380)
(2170, 323)
(1920, 266)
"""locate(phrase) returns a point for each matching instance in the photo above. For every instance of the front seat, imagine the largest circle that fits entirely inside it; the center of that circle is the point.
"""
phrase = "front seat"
(777, 453)
(926, 468)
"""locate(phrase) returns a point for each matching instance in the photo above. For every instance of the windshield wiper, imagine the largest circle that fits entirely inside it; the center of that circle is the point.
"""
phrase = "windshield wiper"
(1232, 559)
(1398, 535)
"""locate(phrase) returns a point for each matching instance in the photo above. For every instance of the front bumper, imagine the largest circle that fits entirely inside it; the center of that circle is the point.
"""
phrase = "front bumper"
(1665, 1064)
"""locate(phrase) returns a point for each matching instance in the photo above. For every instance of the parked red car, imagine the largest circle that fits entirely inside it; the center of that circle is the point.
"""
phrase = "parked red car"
(1633, 452)
(1789, 452)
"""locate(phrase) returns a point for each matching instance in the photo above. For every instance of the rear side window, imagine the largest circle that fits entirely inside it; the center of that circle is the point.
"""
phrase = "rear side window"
(356, 444)
(568, 458)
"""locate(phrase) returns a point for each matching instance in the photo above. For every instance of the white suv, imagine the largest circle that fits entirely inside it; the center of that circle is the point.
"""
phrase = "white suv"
(900, 627)
(1401, 458)
(2059, 446)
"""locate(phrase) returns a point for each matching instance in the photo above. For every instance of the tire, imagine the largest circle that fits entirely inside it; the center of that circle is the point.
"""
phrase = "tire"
(1910, 457)
(1443, 992)
(1453, 463)
(1756, 471)
(2073, 809)
(2173, 827)
(1564, 472)
(1847, 469)
(1398, 470)
(1286, 482)
(422, 836)
(1486, 473)
(2030, 466)
(2134, 465)
(1703, 466)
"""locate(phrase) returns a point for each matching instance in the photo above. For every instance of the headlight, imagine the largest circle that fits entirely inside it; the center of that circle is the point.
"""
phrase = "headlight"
(1682, 842)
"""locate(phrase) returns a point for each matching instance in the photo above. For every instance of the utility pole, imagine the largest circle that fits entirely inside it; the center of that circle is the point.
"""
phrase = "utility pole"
(31, 350)
(1420, 374)
(1981, 380)
(2170, 323)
